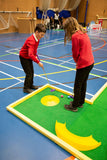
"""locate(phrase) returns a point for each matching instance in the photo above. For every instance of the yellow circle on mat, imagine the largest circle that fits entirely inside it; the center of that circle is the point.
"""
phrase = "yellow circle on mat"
(50, 100)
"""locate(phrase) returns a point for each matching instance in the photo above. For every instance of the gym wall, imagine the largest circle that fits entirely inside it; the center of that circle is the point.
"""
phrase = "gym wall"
(95, 7)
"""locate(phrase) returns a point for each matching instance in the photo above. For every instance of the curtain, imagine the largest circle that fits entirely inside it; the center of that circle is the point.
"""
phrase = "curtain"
(44, 4)
(59, 5)
(74, 4)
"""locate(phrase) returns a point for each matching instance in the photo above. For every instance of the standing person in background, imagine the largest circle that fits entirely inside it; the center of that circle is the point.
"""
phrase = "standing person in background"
(61, 22)
(28, 53)
(47, 22)
(56, 19)
(51, 23)
(83, 57)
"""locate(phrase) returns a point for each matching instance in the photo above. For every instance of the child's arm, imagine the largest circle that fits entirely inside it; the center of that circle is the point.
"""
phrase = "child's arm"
(35, 58)
(75, 48)
(31, 51)
(41, 65)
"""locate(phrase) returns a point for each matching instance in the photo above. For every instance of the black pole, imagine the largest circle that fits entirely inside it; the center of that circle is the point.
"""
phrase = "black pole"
(85, 13)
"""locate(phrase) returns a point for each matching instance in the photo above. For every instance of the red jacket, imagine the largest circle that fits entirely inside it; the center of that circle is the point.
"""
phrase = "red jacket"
(81, 50)
(29, 49)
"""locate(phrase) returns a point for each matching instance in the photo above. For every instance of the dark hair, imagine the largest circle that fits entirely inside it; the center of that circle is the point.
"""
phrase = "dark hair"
(40, 28)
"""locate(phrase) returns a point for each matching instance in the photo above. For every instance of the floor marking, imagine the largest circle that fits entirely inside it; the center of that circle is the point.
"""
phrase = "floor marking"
(3, 79)
(10, 60)
(57, 59)
(63, 42)
(72, 69)
(50, 45)
(11, 40)
(103, 50)
(66, 61)
(57, 72)
(42, 46)
(100, 62)
(45, 78)
(25, 38)
(11, 66)
(10, 86)
(54, 40)
(69, 62)
(11, 76)
(5, 55)
(73, 63)
(101, 46)
(39, 74)
(13, 49)
(47, 57)
(98, 76)
(99, 70)
(58, 65)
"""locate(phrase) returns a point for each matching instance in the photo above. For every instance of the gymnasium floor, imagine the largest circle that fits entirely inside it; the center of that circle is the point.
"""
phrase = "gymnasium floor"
(18, 140)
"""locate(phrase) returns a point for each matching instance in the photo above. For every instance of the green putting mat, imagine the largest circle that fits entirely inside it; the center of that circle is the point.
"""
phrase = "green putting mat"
(89, 120)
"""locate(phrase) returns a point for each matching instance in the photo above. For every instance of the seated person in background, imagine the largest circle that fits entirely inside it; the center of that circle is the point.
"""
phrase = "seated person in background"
(47, 22)
(61, 22)
(51, 23)
(56, 19)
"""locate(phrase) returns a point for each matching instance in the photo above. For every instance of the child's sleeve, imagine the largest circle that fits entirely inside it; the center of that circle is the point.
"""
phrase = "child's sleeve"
(31, 53)
(75, 48)
(38, 57)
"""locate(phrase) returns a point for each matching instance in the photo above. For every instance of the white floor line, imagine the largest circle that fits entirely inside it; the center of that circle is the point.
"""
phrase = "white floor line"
(11, 76)
(99, 70)
(50, 45)
(11, 65)
(53, 40)
(10, 86)
(40, 44)
(63, 62)
(69, 62)
(97, 47)
(60, 61)
(40, 47)
(44, 77)
(55, 59)
(47, 57)
(103, 50)
(66, 61)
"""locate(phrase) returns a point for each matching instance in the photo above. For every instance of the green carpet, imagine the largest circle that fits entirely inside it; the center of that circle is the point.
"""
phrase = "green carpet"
(89, 120)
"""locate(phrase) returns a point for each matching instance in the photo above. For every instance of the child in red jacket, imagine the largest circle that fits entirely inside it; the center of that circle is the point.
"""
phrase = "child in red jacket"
(83, 57)
(28, 53)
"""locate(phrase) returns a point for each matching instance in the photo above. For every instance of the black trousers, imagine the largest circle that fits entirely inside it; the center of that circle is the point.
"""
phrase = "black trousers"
(27, 66)
(80, 85)
(55, 23)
